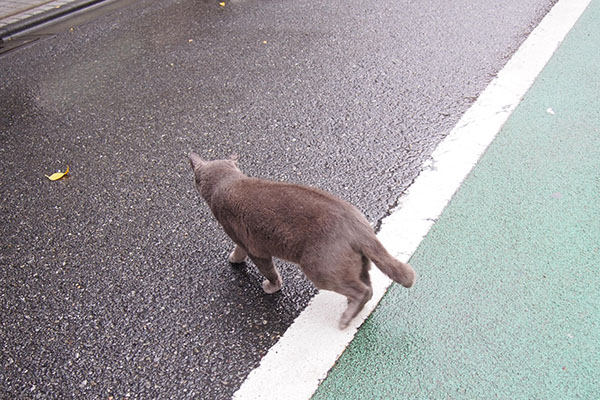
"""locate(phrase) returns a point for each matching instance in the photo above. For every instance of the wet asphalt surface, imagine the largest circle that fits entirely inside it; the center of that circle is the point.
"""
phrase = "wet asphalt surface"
(114, 281)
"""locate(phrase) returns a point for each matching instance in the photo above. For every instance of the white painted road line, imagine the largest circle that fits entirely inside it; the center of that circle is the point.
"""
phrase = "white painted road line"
(300, 360)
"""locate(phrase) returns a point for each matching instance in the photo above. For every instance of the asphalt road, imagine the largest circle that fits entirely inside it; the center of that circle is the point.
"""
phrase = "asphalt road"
(114, 281)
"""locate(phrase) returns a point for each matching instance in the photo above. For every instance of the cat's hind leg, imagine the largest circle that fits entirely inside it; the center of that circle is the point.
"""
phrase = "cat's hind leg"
(265, 265)
(238, 255)
(347, 275)
(358, 295)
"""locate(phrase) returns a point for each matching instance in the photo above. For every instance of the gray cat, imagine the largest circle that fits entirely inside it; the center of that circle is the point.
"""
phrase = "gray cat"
(329, 238)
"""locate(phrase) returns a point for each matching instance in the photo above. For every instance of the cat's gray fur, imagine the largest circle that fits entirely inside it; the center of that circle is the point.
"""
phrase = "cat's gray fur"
(329, 238)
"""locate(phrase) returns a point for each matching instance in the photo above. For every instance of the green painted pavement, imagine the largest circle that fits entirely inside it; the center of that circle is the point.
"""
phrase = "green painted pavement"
(508, 301)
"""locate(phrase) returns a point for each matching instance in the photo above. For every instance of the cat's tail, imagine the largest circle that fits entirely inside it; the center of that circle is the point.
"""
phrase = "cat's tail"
(400, 272)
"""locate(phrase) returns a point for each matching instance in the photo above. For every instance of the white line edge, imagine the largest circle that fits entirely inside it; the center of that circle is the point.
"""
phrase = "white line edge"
(294, 367)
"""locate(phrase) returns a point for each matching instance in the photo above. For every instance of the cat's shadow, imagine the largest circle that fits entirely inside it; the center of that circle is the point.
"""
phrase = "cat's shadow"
(248, 278)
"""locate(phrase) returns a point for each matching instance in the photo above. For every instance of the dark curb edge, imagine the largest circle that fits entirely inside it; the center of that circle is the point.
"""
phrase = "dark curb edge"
(10, 30)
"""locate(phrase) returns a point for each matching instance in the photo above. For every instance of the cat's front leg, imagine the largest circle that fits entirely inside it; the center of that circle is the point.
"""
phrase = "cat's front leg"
(238, 255)
(265, 265)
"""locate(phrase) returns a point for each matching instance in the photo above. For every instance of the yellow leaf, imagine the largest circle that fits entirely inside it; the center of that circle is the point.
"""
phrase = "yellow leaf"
(57, 175)
(222, 4)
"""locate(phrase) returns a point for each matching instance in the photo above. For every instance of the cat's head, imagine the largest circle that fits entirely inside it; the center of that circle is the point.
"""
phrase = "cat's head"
(198, 162)
(208, 173)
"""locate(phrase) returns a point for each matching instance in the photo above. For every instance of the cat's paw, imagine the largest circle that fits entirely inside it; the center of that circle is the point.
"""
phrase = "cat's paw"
(344, 322)
(271, 288)
(236, 258)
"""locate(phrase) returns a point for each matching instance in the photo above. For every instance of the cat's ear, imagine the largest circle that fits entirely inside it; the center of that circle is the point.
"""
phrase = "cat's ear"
(196, 161)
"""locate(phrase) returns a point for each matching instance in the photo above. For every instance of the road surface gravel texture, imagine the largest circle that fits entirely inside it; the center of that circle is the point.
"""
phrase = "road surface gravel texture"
(114, 281)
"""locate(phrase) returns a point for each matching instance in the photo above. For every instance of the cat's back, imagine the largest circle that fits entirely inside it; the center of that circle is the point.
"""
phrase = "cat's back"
(290, 197)
(286, 219)
(281, 205)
